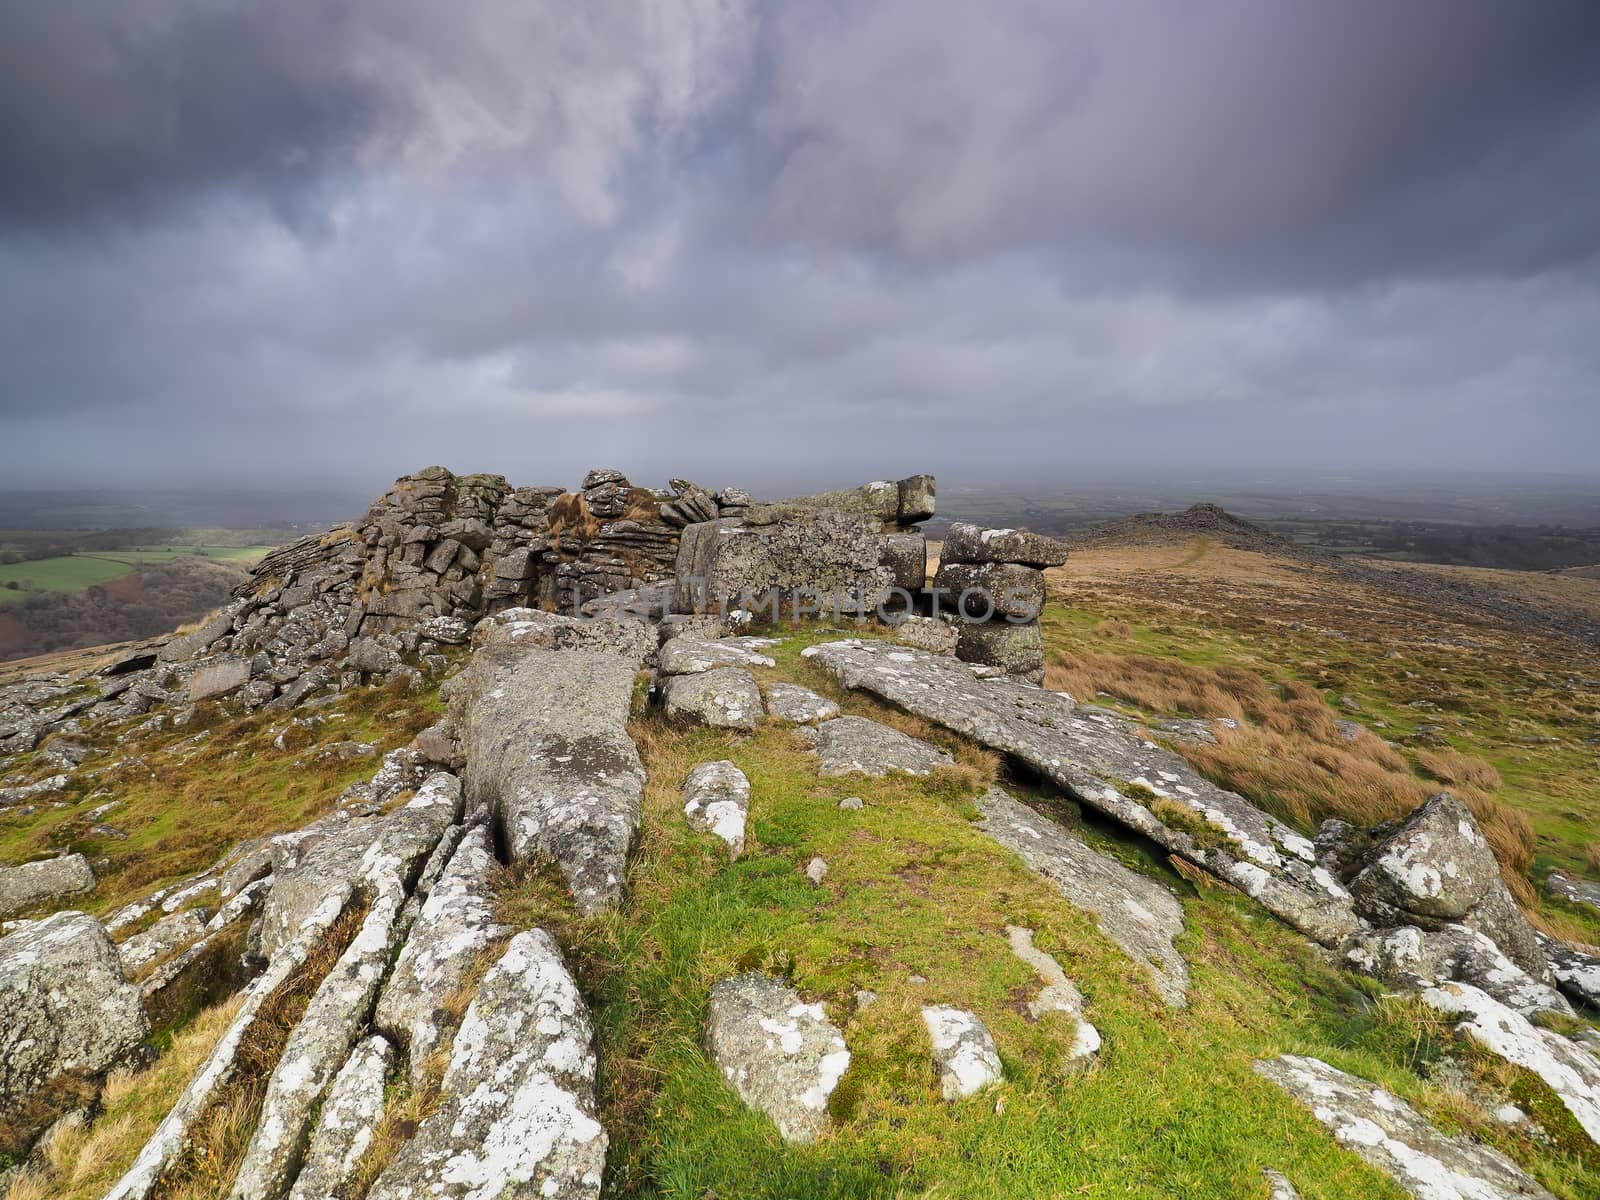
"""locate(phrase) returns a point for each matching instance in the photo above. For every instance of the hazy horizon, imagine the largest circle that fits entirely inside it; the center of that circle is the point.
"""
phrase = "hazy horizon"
(322, 245)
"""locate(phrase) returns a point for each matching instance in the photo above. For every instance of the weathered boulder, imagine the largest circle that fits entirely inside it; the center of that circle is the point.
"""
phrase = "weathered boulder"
(218, 677)
(64, 1007)
(315, 1051)
(347, 1122)
(517, 1115)
(918, 495)
(857, 746)
(906, 556)
(375, 855)
(455, 925)
(964, 1056)
(44, 882)
(1134, 911)
(691, 656)
(798, 705)
(724, 698)
(969, 543)
(1418, 958)
(1093, 759)
(1576, 969)
(1393, 1137)
(1436, 867)
(1571, 1071)
(808, 562)
(529, 627)
(547, 748)
(983, 591)
(933, 634)
(167, 935)
(1006, 648)
(716, 799)
(782, 1056)
(214, 627)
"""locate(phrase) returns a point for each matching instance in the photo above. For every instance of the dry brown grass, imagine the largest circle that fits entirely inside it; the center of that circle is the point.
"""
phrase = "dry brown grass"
(1591, 855)
(1114, 630)
(1451, 766)
(1291, 756)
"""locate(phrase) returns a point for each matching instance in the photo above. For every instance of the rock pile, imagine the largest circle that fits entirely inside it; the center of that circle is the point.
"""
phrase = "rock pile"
(993, 580)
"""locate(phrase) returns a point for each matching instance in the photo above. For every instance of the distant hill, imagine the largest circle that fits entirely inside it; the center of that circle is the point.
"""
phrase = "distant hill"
(1199, 520)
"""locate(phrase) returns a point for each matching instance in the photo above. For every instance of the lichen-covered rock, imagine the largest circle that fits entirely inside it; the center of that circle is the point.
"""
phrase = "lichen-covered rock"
(969, 543)
(347, 1123)
(44, 882)
(724, 698)
(798, 705)
(1582, 892)
(516, 1116)
(1006, 648)
(964, 1056)
(1059, 994)
(1093, 759)
(548, 752)
(218, 677)
(984, 591)
(380, 855)
(64, 1006)
(818, 559)
(933, 634)
(1134, 911)
(315, 1051)
(454, 926)
(1569, 1070)
(1393, 1137)
(857, 746)
(781, 1055)
(624, 637)
(1576, 969)
(906, 557)
(1418, 958)
(1436, 867)
(165, 936)
(716, 800)
(690, 656)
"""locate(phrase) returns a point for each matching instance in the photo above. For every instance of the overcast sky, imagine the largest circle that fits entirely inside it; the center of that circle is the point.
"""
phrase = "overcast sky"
(336, 240)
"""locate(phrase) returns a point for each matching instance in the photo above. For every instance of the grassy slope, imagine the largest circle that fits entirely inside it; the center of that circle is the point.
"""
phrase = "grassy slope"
(1171, 1108)
(1526, 704)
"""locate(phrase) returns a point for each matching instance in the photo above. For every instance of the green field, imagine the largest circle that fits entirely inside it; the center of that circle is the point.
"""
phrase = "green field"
(75, 572)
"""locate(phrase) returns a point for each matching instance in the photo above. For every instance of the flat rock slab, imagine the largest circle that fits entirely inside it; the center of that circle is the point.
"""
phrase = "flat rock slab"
(691, 655)
(968, 543)
(167, 935)
(857, 746)
(1393, 1137)
(1571, 1071)
(1418, 958)
(964, 1055)
(349, 1118)
(36, 883)
(455, 925)
(781, 1055)
(1094, 759)
(1134, 911)
(1576, 969)
(378, 854)
(64, 1006)
(798, 705)
(716, 800)
(547, 749)
(517, 1116)
(723, 698)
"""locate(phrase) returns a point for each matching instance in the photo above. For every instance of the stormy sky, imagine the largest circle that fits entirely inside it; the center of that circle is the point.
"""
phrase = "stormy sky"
(330, 241)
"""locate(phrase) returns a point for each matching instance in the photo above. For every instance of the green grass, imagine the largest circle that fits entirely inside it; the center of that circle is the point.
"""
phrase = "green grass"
(1171, 1107)
(76, 572)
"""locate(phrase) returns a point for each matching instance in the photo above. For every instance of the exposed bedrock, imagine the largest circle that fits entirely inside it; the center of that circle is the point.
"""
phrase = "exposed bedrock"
(545, 738)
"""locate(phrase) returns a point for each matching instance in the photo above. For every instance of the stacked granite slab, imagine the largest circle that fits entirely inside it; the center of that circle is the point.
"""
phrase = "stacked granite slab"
(993, 581)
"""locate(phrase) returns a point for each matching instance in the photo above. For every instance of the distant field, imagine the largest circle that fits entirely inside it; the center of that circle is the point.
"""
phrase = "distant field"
(76, 572)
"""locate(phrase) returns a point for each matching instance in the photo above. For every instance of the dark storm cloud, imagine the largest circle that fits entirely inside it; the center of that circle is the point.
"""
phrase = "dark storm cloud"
(353, 235)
